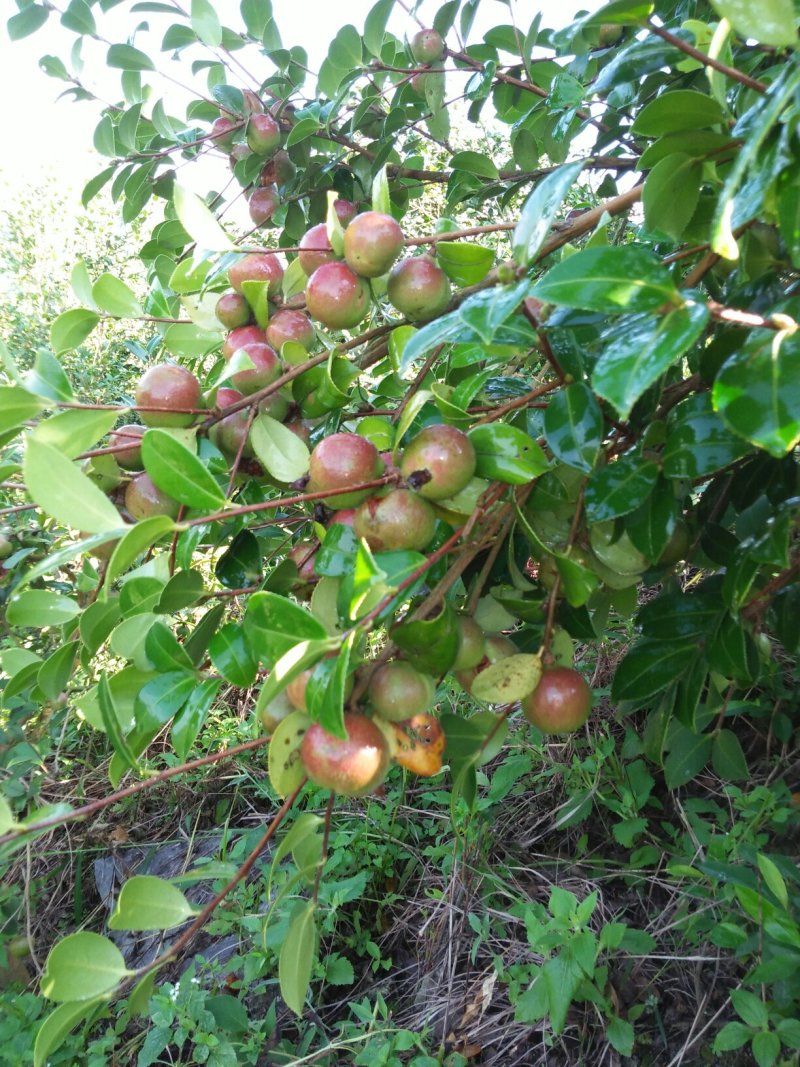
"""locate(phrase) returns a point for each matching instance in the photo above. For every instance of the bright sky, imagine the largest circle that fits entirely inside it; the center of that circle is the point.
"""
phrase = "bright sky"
(42, 133)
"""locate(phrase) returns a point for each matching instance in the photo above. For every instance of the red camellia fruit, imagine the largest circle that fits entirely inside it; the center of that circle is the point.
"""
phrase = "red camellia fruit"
(232, 310)
(447, 454)
(144, 499)
(168, 386)
(337, 297)
(399, 520)
(339, 461)
(242, 336)
(223, 131)
(372, 242)
(418, 288)
(265, 370)
(263, 204)
(290, 325)
(344, 516)
(279, 170)
(315, 249)
(257, 267)
(263, 134)
(346, 211)
(229, 433)
(560, 703)
(303, 554)
(129, 458)
(351, 767)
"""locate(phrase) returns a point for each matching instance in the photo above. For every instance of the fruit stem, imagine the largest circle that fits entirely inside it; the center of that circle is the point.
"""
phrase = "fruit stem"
(326, 833)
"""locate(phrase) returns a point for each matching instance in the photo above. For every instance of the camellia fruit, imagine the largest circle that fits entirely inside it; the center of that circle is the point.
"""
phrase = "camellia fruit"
(232, 310)
(419, 744)
(257, 267)
(339, 461)
(143, 499)
(265, 370)
(399, 520)
(242, 336)
(372, 242)
(223, 131)
(397, 691)
(496, 647)
(346, 211)
(263, 204)
(427, 46)
(344, 516)
(471, 644)
(263, 134)
(315, 249)
(231, 433)
(290, 325)
(168, 386)
(447, 454)
(350, 767)
(129, 457)
(279, 170)
(303, 555)
(418, 288)
(560, 703)
(337, 297)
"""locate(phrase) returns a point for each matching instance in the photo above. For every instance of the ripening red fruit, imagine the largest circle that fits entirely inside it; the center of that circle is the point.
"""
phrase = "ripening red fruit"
(257, 267)
(279, 170)
(296, 689)
(344, 516)
(346, 211)
(397, 691)
(265, 370)
(339, 461)
(418, 288)
(229, 433)
(560, 703)
(372, 242)
(300, 429)
(350, 767)
(143, 499)
(223, 131)
(263, 134)
(232, 310)
(399, 520)
(337, 297)
(447, 454)
(263, 204)
(242, 336)
(427, 46)
(168, 386)
(130, 458)
(303, 555)
(290, 325)
(238, 153)
(471, 644)
(315, 249)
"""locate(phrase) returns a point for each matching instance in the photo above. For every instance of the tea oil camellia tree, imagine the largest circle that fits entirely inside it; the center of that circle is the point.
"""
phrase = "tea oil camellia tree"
(480, 440)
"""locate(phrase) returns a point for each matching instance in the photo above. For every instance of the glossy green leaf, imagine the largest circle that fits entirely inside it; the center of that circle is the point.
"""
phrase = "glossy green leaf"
(573, 426)
(770, 22)
(232, 657)
(189, 721)
(728, 758)
(205, 23)
(126, 57)
(58, 1024)
(507, 454)
(298, 954)
(650, 666)
(149, 903)
(27, 21)
(671, 194)
(698, 441)
(64, 493)
(540, 210)
(82, 966)
(282, 453)
(115, 298)
(274, 625)
(160, 699)
(464, 264)
(71, 329)
(619, 487)
(41, 607)
(55, 672)
(179, 472)
(17, 406)
(608, 278)
(199, 222)
(164, 650)
(137, 540)
(72, 432)
(679, 109)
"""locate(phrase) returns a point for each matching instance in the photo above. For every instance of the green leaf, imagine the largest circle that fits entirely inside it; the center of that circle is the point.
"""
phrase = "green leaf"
(773, 879)
(71, 329)
(766, 1048)
(728, 758)
(27, 21)
(231, 656)
(769, 22)
(282, 453)
(688, 755)
(111, 723)
(149, 903)
(81, 967)
(750, 1007)
(189, 720)
(506, 454)
(698, 442)
(608, 278)
(64, 493)
(464, 264)
(164, 650)
(179, 472)
(671, 194)
(126, 57)
(619, 487)
(298, 955)
(475, 163)
(573, 426)
(540, 210)
(199, 222)
(205, 23)
(72, 432)
(327, 690)
(78, 17)
(641, 349)
(381, 201)
(136, 541)
(48, 378)
(40, 608)
(53, 1031)
(733, 1035)
(650, 666)
(17, 405)
(375, 26)
(55, 672)
(676, 110)
(757, 391)
(275, 625)
(115, 298)
(160, 699)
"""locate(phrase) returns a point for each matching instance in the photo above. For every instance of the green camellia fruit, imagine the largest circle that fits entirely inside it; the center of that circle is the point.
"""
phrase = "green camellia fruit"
(471, 644)
(232, 310)
(279, 170)
(418, 288)
(399, 520)
(231, 433)
(560, 703)
(129, 457)
(170, 387)
(263, 134)
(351, 767)
(447, 454)
(337, 297)
(427, 46)
(496, 648)
(372, 242)
(143, 499)
(339, 461)
(257, 267)
(397, 691)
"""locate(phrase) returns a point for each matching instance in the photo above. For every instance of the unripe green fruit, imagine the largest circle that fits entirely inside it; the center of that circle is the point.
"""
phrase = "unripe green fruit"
(276, 405)
(241, 337)
(263, 204)
(560, 703)
(168, 386)
(315, 249)
(290, 325)
(233, 311)
(265, 370)
(678, 545)
(418, 288)
(447, 454)
(427, 46)
(372, 242)
(401, 520)
(129, 458)
(341, 460)
(223, 132)
(257, 267)
(279, 170)
(350, 767)
(397, 691)
(471, 644)
(263, 134)
(229, 433)
(609, 34)
(418, 83)
(143, 499)
(337, 297)
(497, 647)
(6, 548)
(275, 712)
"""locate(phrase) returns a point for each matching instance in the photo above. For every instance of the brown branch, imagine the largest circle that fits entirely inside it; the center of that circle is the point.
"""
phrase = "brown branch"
(707, 61)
